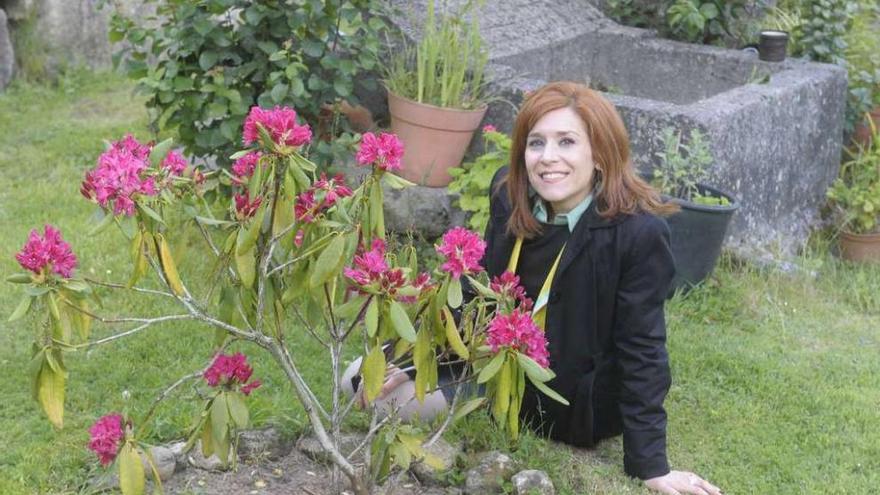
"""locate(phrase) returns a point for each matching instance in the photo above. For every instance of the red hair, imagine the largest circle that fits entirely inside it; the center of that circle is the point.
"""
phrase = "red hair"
(622, 190)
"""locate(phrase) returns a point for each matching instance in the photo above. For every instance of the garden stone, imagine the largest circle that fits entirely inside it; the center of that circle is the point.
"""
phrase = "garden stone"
(18, 10)
(310, 446)
(177, 448)
(490, 473)
(532, 482)
(262, 444)
(443, 450)
(428, 210)
(7, 56)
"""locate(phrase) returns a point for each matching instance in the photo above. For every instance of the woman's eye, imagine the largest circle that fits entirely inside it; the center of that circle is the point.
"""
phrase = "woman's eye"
(534, 143)
(566, 141)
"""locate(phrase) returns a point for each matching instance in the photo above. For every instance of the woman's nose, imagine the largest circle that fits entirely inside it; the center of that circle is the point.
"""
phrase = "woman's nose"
(550, 153)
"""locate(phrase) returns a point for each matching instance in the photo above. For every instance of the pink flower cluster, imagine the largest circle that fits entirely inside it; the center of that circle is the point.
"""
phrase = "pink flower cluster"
(320, 197)
(174, 163)
(105, 436)
(507, 285)
(279, 123)
(50, 250)
(372, 273)
(463, 250)
(229, 370)
(244, 166)
(120, 175)
(518, 331)
(384, 150)
(489, 128)
(244, 207)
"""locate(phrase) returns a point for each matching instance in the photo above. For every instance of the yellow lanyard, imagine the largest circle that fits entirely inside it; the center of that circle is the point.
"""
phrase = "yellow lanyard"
(539, 311)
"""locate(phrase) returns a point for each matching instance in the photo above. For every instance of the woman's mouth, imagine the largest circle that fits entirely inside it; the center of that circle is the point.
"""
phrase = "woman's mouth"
(554, 176)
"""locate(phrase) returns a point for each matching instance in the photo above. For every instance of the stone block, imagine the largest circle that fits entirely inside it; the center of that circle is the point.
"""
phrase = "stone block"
(7, 54)
(489, 475)
(532, 482)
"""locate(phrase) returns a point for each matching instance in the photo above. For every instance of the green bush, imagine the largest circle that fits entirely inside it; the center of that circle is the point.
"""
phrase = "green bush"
(472, 180)
(204, 64)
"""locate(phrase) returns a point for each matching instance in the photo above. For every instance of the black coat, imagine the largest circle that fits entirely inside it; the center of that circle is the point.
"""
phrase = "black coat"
(606, 332)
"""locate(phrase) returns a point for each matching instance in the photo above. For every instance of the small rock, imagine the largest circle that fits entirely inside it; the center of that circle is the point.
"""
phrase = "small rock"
(311, 447)
(493, 469)
(532, 482)
(176, 448)
(444, 451)
(165, 461)
(265, 444)
(199, 461)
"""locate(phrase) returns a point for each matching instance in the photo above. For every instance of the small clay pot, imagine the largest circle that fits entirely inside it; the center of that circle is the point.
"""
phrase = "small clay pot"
(862, 133)
(772, 47)
(860, 247)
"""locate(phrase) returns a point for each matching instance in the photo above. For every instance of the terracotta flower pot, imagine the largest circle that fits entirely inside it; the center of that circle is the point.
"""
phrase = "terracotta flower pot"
(434, 138)
(860, 247)
(862, 134)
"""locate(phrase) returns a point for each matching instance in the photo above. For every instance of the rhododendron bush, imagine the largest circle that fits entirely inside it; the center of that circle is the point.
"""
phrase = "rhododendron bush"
(302, 255)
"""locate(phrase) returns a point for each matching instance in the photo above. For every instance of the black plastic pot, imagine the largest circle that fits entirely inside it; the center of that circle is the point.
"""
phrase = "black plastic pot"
(698, 232)
(772, 46)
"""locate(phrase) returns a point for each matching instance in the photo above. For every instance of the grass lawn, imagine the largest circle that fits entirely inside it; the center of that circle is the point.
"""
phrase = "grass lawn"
(776, 376)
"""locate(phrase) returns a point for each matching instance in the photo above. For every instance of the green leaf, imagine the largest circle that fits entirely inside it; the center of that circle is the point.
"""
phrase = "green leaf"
(238, 409)
(402, 323)
(151, 213)
(208, 59)
(279, 92)
(467, 408)
(373, 371)
(453, 336)
(371, 319)
(131, 471)
(50, 392)
(549, 392)
(533, 369)
(491, 369)
(246, 265)
(105, 222)
(396, 181)
(19, 278)
(158, 153)
(328, 263)
(401, 455)
(351, 308)
(219, 419)
(454, 296)
(213, 221)
(709, 10)
(21, 309)
(247, 238)
(502, 392)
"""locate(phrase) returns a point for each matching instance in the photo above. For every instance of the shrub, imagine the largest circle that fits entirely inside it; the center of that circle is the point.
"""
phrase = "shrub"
(204, 64)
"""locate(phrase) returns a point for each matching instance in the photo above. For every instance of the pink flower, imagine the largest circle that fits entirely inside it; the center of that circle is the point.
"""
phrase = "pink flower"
(385, 151)
(106, 435)
(489, 128)
(463, 250)
(39, 253)
(373, 275)
(320, 197)
(518, 331)
(120, 175)
(231, 370)
(279, 123)
(244, 207)
(507, 285)
(244, 166)
(174, 162)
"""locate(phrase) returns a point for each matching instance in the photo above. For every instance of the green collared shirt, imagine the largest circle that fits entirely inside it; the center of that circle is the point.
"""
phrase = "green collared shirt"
(571, 218)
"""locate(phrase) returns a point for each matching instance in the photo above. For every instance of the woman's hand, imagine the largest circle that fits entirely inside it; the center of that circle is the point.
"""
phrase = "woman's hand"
(679, 482)
(394, 377)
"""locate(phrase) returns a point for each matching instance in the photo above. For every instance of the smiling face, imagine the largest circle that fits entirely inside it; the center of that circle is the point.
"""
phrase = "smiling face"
(559, 159)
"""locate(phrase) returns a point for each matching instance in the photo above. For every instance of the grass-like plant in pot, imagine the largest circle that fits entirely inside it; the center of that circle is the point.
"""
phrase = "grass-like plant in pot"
(699, 228)
(436, 94)
(855, 199)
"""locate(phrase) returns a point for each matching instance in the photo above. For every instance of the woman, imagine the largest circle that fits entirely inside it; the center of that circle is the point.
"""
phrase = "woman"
(571, 209)
(572, 219)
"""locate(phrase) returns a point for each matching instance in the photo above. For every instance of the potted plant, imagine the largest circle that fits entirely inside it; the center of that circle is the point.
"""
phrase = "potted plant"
(699, 228)
(863, 61)
(436, 95)
(855, 199)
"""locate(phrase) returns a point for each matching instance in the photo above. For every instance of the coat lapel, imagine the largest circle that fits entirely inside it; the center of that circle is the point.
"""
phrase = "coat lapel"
(580, 237)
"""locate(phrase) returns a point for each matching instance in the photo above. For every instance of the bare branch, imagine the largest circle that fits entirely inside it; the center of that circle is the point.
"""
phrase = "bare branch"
(146, 324)
(126, 287)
